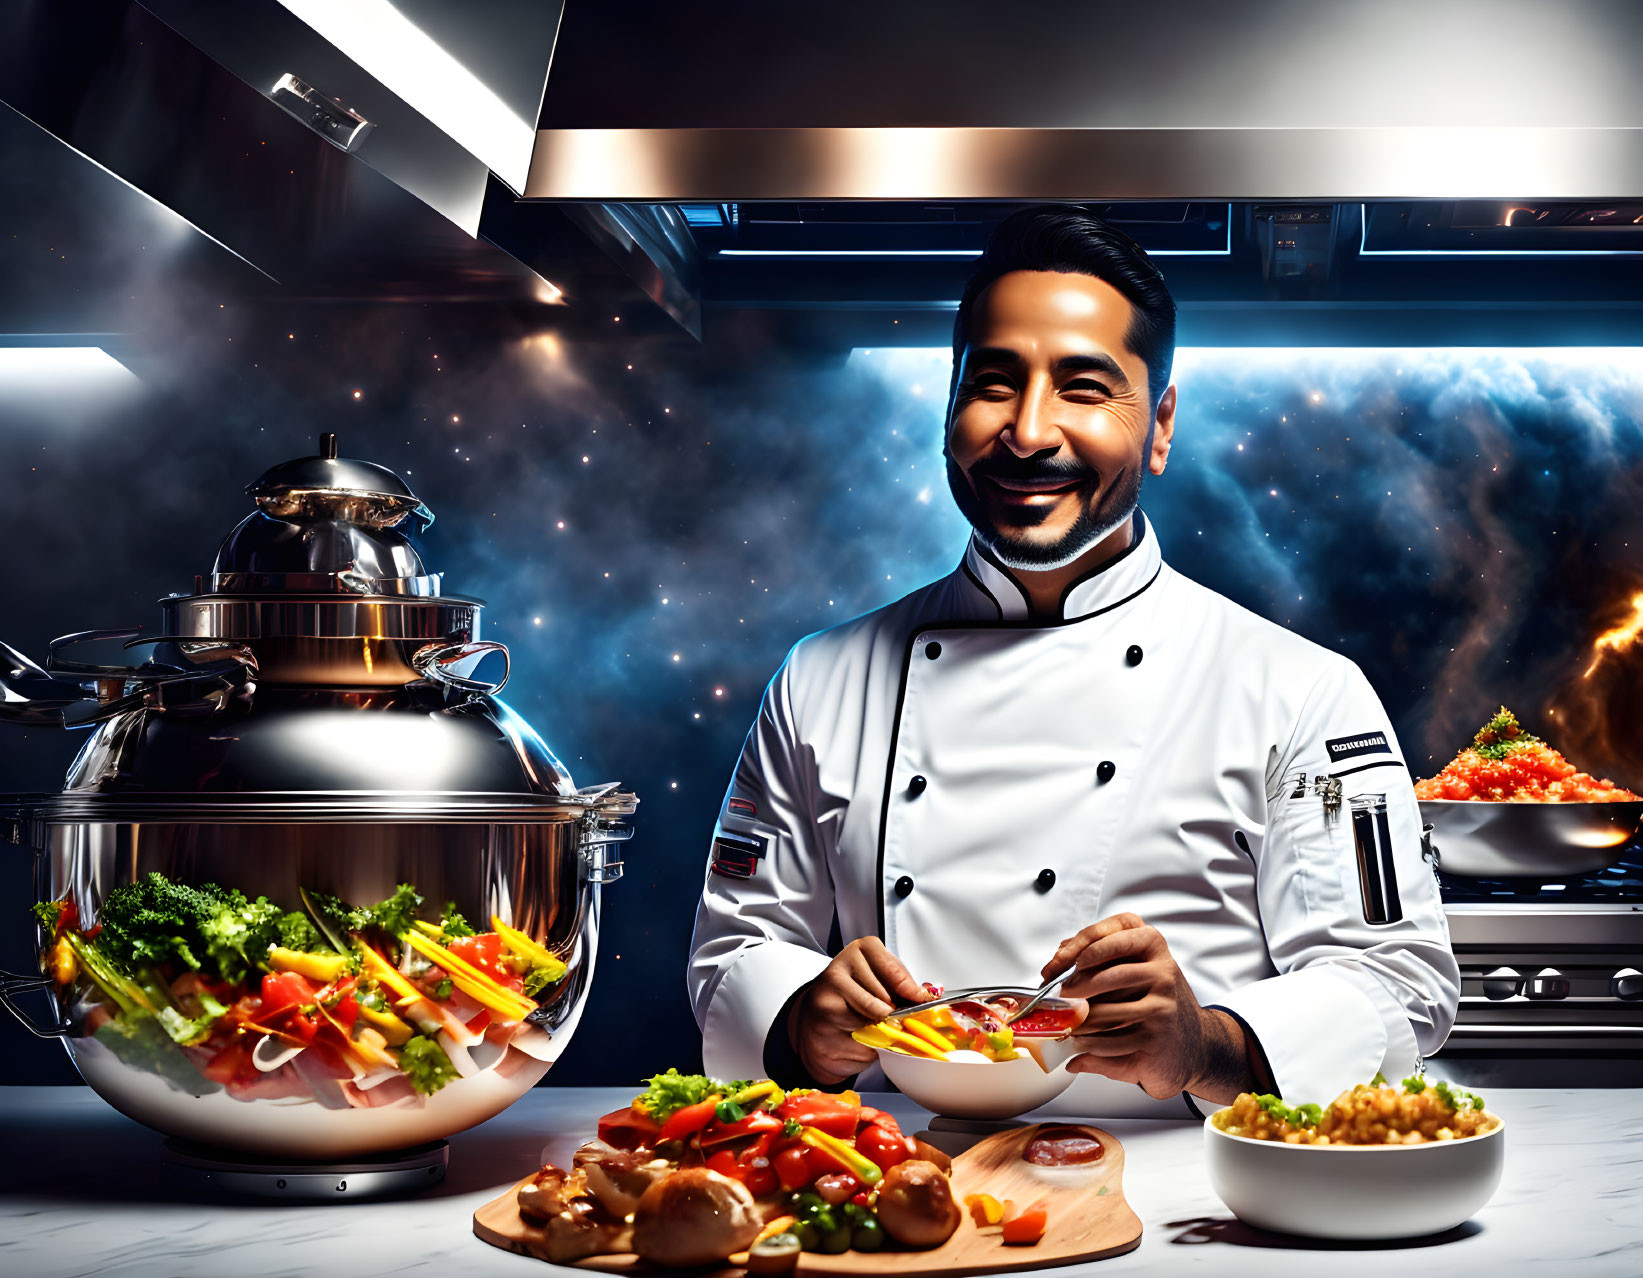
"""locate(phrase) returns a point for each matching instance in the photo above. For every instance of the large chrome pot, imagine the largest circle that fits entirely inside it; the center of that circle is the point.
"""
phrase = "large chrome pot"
(315, 721)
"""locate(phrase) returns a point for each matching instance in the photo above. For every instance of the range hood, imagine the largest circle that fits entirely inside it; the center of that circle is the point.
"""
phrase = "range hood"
(1049, 100)
(1405, 169)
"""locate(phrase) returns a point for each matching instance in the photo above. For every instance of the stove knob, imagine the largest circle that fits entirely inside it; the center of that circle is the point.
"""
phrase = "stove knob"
(1548, 984)
(1502, 983)
(1627, 983)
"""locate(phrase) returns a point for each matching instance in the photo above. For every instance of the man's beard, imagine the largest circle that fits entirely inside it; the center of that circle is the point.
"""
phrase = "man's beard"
(1101, 514)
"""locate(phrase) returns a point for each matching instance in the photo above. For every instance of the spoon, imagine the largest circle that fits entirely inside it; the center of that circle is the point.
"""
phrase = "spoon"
(983, 993)
(1044, 991)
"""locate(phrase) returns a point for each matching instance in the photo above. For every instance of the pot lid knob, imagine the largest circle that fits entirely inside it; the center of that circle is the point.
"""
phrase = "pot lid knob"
(330, 487)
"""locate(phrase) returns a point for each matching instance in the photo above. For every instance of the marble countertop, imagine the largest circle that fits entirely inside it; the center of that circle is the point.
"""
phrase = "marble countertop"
(82, 1192)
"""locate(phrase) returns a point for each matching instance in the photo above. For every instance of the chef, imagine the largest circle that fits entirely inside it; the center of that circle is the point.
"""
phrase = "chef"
(1066, 754)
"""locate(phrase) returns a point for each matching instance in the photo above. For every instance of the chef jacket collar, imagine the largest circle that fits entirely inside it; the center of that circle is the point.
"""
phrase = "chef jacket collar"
(998, 594)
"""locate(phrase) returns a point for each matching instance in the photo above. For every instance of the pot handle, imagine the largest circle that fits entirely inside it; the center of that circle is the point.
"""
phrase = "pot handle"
(14, 983)
(602, 825)
(430, 661)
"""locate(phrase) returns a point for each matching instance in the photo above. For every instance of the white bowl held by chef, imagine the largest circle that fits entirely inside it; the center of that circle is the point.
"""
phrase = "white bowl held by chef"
(1065, 752)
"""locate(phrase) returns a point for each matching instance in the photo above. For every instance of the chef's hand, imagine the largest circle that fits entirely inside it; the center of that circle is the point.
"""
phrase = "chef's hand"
(857, 988)
(1144, 1024)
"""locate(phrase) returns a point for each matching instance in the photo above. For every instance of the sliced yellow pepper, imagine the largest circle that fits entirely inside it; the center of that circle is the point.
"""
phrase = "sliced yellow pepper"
(901, 1040)
(523, 946)
(870, 1036)
(394, 1031)
(323, 968)
(472, 982)
(379, 968)
(861, 1166)
(758, 1091)
(929, 1035)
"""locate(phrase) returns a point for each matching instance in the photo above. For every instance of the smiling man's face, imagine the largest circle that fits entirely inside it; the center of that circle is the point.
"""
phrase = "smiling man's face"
(1052, 422)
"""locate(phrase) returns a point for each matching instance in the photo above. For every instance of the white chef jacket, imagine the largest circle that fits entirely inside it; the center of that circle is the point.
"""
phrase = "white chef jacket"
(1157, 748)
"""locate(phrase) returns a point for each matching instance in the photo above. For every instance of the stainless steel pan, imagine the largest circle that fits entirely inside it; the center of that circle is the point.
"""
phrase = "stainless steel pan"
(1482, 839)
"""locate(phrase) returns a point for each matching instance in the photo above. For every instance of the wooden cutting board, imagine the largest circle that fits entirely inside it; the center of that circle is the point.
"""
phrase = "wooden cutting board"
(1088, 1220)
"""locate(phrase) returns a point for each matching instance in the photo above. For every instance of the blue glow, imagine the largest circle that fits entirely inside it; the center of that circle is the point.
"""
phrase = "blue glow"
(702, 214)
(1379, 500)
(1363, 234)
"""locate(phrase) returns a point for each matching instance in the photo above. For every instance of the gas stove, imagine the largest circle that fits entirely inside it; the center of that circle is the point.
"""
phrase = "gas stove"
(1551, 978)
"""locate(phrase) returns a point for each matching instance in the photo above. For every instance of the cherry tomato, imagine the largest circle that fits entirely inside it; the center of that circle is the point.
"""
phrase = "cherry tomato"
(724, 1162)
(885, 1148)
(793, 1167)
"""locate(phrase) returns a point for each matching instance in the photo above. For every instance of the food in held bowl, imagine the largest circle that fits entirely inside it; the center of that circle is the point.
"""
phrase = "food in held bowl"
(1506, 763)
(969, 1030)
(695, 1170)
(348, 1006)
(1374, 1113)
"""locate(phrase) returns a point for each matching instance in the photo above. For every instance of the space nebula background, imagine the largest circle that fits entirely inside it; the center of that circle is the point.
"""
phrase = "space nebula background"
(655, 522)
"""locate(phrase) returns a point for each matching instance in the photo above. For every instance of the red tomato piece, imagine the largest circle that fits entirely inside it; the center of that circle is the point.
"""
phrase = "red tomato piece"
(885, 1148)
(689, 1120)
(1027, 1228)
(830, 1114)
(486, 952)
(793, 1167)
(282, 991)
(760, 1121)
(628, 1128)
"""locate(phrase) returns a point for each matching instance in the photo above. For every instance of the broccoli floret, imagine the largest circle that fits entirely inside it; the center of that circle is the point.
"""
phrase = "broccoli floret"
(155, 921)
(238, 933)
(453, 924)
(393, 916)
(296, 932)
(424, 1062)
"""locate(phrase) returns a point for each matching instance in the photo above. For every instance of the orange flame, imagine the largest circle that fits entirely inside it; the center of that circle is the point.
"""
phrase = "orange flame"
(1621, 636)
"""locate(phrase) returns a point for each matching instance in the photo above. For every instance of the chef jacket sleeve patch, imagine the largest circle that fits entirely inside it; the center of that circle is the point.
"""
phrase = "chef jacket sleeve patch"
(1358, 743)
(737, 856)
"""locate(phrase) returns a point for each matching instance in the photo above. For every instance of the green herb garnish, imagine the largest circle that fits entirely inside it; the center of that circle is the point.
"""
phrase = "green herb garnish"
(1501, 736)
(1295, 1115)
(672, 1091)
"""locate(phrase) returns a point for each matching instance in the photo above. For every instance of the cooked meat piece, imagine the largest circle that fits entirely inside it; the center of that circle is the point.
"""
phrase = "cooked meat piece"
(573, 1223)
(618, 1178)
(916, 1206)
(694, 1217)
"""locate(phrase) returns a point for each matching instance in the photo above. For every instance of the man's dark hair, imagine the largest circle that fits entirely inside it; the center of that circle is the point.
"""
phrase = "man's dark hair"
(1072, 240)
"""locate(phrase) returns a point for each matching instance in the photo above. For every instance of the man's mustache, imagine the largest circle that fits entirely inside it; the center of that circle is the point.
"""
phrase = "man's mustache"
(1028, 469)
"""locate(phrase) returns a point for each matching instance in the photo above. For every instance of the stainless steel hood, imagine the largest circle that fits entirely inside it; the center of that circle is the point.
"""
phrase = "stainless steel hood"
(1263, 100)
